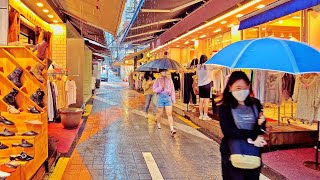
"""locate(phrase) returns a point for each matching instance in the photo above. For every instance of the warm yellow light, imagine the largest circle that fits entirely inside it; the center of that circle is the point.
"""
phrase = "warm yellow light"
(282, 35)
(218, 30)
(50, 16)
(186, 42)
(230, 25)
(261, 6)
(239, 15)
(203, 36)
(40, 4)
(263, 29)
(193, 39)
(223, 22)
(55, 21)
(45, 10)
(280, 21)
(296, 17)
(177, 46)
(126, 61)
(218, 19)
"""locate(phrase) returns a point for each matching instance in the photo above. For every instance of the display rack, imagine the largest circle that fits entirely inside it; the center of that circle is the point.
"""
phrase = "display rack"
(24, 59)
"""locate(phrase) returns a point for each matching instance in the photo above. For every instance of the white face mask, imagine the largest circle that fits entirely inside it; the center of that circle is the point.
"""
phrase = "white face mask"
(241, 95)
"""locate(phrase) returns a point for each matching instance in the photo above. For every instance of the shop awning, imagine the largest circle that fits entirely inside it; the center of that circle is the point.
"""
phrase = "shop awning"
(105, 15)
(100, 50)
(273, 11)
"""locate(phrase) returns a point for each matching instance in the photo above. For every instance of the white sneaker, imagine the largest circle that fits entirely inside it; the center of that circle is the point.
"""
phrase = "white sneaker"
(158, 125)
(201, 117)
(4, 174)
(206, 118)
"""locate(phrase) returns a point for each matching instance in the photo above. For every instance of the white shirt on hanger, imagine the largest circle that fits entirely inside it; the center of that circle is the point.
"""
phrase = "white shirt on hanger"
(71, 90)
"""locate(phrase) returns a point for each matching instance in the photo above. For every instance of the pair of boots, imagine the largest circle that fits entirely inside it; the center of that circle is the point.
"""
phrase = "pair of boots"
(15, 76)
(37, 72)
(11, 98)
(37, 97)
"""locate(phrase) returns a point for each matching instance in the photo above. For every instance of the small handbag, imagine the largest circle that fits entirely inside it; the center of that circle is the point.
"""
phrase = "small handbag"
(243, 154)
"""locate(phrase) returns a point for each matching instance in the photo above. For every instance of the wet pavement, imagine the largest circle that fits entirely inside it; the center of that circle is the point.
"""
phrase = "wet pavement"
(119, 143)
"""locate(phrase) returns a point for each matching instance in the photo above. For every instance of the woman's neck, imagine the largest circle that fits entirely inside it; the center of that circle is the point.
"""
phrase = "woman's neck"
(241, 102)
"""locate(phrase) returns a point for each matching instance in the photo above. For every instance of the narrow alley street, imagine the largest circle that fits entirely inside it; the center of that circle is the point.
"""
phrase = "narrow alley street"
(119, 143)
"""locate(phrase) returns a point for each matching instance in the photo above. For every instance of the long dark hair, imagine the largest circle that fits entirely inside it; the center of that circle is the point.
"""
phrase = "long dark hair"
(228, 98)
(203, 59)
(147, 75)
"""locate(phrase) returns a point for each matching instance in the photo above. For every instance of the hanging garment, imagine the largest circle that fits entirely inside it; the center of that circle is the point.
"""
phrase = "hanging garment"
(50, 103)
(259, 85)
(188, 90)
(273, 90)
(61, 86)
(306, 91)
(288, 82)
(54, 92)
(176, 80)
(71, 92)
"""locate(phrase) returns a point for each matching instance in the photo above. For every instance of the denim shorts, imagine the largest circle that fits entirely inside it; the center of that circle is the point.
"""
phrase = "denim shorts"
(164, 100)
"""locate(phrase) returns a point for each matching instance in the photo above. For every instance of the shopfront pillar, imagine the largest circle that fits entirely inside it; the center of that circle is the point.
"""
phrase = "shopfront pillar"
(4, 21)
(175, 54)
(314, 30)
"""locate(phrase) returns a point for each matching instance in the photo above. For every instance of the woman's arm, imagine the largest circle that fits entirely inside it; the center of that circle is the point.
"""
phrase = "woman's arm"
(173, 92)
(229, 129)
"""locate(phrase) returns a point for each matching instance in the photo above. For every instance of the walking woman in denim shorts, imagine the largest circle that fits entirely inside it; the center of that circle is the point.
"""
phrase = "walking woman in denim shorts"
(164, 89)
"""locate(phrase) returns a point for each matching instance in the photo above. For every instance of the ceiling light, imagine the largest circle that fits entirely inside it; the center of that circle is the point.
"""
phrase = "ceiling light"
(239, 15)
(223, 22)
(261, 6)
(55, 21)
(280, 21)
(45, 10)
(186, 42)
(40, 4)
(177, 46)
(50, 16)
(193, 39)
(218, 30)
(296, 17)
(282, 35)
(230, 25)
(203, 36)
(263, 29)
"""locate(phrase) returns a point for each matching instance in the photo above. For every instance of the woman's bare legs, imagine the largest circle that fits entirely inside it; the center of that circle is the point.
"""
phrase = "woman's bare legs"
(158, 116)
(170, 118)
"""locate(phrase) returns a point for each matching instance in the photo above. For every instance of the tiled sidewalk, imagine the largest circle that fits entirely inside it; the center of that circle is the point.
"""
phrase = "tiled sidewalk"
(117, 141)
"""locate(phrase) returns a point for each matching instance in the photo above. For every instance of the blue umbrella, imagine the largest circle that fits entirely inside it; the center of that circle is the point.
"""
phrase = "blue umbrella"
(143, 68)
(165, 63)
(272, 54)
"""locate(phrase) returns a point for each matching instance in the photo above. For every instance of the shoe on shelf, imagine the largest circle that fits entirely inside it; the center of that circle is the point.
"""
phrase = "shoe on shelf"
(4, 175)
(13, 164)
(24, 144)
(34, 122)
(13, 110)
(21, 157)
(6, 133)
(29, 133)
(173, 132)
(6, 168)
(14, 77)
(206, 118)
(5, 121)
(33, 110)
(36, 72)
(37, 97)
(11, 98)
(3, 146)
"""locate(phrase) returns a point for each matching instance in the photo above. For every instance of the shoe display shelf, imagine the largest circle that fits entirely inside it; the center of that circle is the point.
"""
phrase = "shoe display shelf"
(22, 58)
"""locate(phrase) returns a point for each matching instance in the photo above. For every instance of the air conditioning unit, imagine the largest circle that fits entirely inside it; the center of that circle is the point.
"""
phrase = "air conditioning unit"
(316, 8)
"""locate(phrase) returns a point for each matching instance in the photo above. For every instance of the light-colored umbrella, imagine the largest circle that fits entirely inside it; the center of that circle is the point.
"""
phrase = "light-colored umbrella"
(272, 54)
(165, 63)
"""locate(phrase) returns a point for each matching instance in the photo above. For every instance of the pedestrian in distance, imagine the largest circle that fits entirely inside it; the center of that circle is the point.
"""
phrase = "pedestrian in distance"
(241, 119)
(164, 88)
(147, 86)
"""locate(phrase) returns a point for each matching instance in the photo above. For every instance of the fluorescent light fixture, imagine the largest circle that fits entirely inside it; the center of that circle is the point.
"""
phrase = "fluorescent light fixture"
(223, 22)
(261, 6)
(230, 25)
(239, 15)
(186, 42)
(263, 29)
(50, 16)
(296, 17)
(203, 36)
(39, 4)
(177, 46)
(45, 10)
(218, 19)
(218, 30)
(55, 21)
(193, 40)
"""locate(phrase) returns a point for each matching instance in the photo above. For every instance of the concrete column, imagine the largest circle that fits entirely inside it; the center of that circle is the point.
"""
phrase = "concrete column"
(4, 22)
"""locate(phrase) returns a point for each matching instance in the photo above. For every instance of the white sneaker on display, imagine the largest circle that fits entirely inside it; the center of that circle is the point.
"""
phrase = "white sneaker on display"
(206, 118)
(4, 174)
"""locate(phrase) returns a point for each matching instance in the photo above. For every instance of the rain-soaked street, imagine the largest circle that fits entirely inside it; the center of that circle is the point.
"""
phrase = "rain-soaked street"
(119, 143)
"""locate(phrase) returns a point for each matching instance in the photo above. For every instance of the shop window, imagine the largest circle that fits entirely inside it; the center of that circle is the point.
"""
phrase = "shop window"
(313, 29)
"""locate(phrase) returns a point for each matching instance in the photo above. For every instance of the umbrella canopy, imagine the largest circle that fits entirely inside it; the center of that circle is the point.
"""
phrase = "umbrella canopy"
(165, 63)
(143, 68)
(269, 54)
